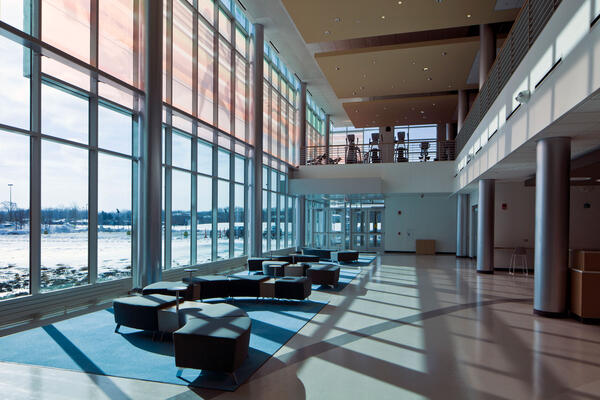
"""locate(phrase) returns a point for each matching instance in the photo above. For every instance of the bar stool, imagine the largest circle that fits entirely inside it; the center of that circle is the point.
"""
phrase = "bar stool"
(518, 259)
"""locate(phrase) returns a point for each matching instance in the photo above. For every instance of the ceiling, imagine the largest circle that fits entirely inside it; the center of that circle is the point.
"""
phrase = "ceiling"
(426, 67)
(329, 20)
(414, 111)
(421, 48)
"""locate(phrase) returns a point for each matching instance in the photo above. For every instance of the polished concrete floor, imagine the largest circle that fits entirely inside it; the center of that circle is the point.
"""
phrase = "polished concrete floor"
(407, 327)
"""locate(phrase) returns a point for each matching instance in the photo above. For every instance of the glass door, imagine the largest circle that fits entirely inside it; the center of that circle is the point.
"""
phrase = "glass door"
(375, 227)
(358, 229)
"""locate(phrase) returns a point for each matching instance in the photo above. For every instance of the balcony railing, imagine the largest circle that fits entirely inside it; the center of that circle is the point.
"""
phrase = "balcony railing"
(529, 24)
(405, 151)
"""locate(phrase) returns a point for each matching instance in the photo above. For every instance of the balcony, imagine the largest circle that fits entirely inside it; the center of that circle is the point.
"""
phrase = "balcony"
(398, 151)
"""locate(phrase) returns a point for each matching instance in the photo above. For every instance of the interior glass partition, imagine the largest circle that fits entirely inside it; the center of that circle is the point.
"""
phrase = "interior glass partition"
(336, 222)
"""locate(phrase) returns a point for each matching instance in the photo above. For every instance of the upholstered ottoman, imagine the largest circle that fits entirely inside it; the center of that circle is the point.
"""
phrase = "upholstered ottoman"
(166, 288)
(217, 344)
(255, 264)
(304, 258)
(140, 312)
(295, 269)
(292, 287)
(286, 258)
(344, 256)
(326, 274)
(245, 285)
(323, 254)
(211, 286)
(169, 320)
(273, 268)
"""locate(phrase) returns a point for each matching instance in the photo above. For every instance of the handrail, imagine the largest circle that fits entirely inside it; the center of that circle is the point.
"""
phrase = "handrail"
(423, 150)
(530, 21)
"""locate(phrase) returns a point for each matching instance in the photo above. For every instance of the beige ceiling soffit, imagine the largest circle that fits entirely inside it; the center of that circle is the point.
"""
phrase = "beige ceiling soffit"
(415, 45)
(331, 20)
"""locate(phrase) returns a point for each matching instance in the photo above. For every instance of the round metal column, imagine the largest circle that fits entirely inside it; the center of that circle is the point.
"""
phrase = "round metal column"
(462, 226)
(552, 196)
(485, 226)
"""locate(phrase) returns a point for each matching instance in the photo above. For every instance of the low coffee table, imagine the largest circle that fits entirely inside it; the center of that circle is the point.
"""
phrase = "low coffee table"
(267, 288)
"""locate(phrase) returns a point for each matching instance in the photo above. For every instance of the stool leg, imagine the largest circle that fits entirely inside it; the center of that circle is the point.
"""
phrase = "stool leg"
(179, 372)
(234, 378)
(117, 328)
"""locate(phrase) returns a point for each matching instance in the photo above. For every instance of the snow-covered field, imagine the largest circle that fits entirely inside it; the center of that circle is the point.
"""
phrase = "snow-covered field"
(64, 256)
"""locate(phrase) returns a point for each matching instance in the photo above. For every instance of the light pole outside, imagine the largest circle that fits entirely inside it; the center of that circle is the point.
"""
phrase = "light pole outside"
(10, 186)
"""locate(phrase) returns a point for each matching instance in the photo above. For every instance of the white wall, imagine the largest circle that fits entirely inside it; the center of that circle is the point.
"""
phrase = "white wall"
(425, 177)
(515, 226)
(573, 80)
(432, 216)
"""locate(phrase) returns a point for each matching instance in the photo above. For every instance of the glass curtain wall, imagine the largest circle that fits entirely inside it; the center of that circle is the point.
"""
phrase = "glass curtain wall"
(412, 133)
(278, 211)
(70, 132)
(315, 123)
(281, 88)
(69, 136)
(206, 123)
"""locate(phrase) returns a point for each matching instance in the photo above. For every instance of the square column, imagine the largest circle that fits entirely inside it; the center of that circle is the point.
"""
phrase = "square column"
(257, 131)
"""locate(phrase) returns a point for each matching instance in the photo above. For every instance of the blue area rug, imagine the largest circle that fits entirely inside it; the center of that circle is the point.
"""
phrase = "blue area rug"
(88, 343)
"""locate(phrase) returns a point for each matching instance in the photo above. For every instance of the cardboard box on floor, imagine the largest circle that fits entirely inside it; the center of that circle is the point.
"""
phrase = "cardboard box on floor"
(585, 301)
(425, 246)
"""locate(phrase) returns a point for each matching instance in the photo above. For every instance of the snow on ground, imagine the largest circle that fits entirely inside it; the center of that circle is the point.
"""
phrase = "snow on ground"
(64, 256)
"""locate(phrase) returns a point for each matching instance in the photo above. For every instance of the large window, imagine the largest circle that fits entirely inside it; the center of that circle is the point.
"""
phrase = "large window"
(115, 222)
(279, 108)
(14, 214)
(278, 222)
(64, 221)
(72, 135)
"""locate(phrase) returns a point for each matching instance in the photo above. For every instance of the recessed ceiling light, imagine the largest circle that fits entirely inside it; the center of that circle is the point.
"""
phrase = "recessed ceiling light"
(400, 2)
(422, 112)
(444, 53)
(425, 68)
(364, 75)
(327, 32)
(337, 19)
(468, 15)
(429, 78)
(362, 88)
(433, 104)
(356, 110)
(353, 93)
(383, 17)
(337, 68)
